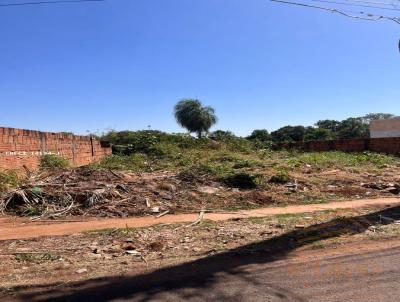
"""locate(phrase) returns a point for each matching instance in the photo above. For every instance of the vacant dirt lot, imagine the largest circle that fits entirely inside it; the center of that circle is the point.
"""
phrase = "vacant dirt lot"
(61, 260)
(279, 180)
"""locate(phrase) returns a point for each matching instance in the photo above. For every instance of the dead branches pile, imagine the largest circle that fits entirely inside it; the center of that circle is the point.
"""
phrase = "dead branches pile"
(84, 191)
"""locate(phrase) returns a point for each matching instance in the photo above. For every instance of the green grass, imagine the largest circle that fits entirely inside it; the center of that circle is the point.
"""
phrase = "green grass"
(9, 179)
(222, 160)
(341, 159)
(52, 161)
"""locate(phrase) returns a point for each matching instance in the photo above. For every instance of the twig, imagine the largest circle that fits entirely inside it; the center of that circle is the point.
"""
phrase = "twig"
(198, 221)
(162, 214)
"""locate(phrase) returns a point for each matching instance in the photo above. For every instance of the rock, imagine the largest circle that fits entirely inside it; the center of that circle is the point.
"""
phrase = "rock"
(128, 247)
(332, 187)
(155, 209)
(167, 187)
(166, 196)
(207, 190)
(95, 256)
(134, 253)
(82, 271)
(235, 190)
(196, 249)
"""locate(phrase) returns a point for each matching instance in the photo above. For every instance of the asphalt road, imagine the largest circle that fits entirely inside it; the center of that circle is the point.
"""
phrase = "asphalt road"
(369, 275)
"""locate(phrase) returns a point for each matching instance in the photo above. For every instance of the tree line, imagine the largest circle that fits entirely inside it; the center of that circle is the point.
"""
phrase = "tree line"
(196, 118)
(353, 127)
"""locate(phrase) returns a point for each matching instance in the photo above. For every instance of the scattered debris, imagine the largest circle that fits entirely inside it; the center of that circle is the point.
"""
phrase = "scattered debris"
(388, 187)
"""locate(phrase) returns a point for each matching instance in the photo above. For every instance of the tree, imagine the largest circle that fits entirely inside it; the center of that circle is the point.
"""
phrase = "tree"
(221, 135)
(318, 134)
(331, 125)
(289, 133)
(196, 118)
(376, 116)
(261, 135)
(353, 128)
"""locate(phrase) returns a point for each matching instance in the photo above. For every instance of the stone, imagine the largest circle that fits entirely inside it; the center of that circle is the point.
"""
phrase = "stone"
(208, 190)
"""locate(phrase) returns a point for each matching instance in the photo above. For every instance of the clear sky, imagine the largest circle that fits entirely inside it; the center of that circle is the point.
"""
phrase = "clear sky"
(123, 64)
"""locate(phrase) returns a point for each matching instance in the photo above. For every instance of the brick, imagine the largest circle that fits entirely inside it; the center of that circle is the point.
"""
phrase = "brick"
(20, 147)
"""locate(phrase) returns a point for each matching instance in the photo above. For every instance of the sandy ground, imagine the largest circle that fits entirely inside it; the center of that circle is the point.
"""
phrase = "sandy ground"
(358, 272)
(20, 228)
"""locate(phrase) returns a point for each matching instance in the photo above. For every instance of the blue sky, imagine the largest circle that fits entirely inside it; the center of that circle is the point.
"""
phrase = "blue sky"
(123, 64)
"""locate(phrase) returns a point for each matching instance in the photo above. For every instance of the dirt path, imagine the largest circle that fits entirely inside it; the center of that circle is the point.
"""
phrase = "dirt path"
(16, 228)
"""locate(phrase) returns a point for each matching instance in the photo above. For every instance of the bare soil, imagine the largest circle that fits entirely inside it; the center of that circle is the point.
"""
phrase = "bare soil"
(61, 260)
(22, 228)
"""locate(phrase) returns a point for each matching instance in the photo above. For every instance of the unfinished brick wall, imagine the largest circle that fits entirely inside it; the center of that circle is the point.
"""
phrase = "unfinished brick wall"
(389, 145)
(19, 148)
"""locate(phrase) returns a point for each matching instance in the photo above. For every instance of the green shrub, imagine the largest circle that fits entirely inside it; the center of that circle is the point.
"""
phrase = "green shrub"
(338, 158)
(52, 161)
(8, 179)
(241, 180)
(134, 162)
(281, 177)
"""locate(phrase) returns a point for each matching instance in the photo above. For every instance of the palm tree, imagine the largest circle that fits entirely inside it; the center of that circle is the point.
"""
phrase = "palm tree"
(192, 115)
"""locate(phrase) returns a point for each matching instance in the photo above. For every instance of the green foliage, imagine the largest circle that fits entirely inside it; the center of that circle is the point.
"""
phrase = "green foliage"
(134, 162)
(148, 141)
(353, 128)
(341, 159)
(376, 116)
(192, 115)
(52, 161)
(318, 134)
(261, 135)
(280, 177)
(289, 133)
(240, 180)
(8, 179)
(331, 125)
(222, 136)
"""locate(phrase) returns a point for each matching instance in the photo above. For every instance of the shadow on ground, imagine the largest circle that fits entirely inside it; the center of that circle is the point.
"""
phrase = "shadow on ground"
(191, 280)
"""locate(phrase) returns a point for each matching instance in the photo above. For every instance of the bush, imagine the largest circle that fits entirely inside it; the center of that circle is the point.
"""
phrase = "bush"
(240, 180)
(338, 158)
(8, 179)
(281, 177)
(222, 136)
(134, 162)
(148, 141)
(52, 161)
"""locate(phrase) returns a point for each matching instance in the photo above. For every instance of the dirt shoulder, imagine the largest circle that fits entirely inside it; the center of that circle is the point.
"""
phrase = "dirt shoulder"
(57, 261)
(12, 228)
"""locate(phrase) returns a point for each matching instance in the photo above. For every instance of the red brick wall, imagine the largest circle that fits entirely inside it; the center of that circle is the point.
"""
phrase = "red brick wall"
(20, 147)
(390, 145)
